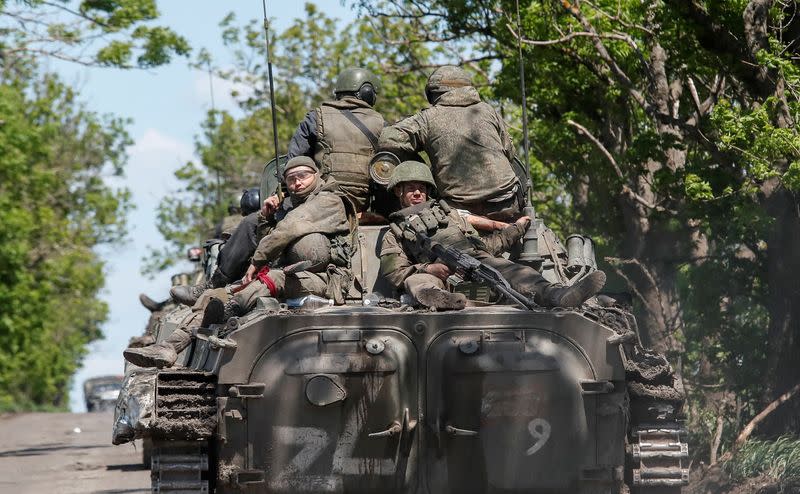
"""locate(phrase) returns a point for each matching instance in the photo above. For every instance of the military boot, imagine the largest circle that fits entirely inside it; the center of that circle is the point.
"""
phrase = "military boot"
(232, 309)
(188, 295)
(162, 354)
(151, 304)
(439, 299)
(165, 354)
(580, 292)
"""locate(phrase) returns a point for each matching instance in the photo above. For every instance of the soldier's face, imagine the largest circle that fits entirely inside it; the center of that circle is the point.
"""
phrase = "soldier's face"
(299, 179)
(411, 193)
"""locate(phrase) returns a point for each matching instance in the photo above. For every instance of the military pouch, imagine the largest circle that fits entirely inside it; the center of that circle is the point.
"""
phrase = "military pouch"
(339, 283)
(341, 252)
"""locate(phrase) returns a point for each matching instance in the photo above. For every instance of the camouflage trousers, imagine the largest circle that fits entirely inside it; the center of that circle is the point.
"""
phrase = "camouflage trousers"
(334, 283)
(287, 285)
(193, 319)
(524, 279)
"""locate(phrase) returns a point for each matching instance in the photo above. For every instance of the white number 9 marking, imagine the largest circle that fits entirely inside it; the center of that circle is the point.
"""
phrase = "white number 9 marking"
(540, 431)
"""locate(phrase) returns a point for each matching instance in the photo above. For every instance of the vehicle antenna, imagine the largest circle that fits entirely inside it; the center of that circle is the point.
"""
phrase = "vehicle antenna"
(271, 93)
(214, 116)
(525, 143)
(530, 241)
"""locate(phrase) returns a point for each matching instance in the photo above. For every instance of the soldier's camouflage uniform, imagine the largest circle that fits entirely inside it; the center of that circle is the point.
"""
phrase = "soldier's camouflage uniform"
(338, 147)
(324, 211)
(403, 262)
(469, 149)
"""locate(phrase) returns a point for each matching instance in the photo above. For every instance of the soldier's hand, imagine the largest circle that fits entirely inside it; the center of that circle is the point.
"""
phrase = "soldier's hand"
(271, 204)
(439, 270)
(250, 274)
(523, 222)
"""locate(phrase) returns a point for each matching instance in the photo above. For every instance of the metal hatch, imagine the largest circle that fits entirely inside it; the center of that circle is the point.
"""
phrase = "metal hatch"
(507, 412)
(337, 412)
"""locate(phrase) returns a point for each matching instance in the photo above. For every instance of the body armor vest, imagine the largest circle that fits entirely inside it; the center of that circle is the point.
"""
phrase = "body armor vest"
(436, 220)
(342, 149)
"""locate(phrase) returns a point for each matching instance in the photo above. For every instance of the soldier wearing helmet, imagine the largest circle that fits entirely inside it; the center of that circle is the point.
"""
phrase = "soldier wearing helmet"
(406, 265)
(468, 145)
(305, 249)
(342, 135)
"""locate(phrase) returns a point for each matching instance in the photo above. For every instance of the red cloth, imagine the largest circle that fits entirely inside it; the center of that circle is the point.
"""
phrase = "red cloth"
(262, 275)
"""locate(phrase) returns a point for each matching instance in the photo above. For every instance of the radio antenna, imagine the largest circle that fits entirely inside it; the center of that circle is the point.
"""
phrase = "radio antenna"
(525, 143)
(271, 89)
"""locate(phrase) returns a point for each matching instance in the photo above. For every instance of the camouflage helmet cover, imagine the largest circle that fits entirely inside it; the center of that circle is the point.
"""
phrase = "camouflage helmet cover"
(411, 171)
(446, 78)
(350, 80)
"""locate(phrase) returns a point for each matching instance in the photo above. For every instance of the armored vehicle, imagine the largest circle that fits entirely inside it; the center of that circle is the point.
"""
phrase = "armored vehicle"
(377, 396)
(100, 393)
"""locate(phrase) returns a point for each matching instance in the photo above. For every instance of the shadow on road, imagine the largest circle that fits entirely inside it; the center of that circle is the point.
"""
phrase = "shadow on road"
(133, 467)
(45, 449)
(122, 491)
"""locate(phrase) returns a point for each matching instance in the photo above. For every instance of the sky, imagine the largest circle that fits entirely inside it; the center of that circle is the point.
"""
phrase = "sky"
(166, 105)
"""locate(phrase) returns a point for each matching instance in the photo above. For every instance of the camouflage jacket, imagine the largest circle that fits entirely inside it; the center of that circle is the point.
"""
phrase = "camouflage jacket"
(324, 211)
(401, 257)
(466, 140)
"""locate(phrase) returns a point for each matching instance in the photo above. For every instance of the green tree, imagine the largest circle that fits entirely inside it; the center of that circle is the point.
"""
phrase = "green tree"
(89, 32)
(54, 209)
(55, 204)
(671, 127)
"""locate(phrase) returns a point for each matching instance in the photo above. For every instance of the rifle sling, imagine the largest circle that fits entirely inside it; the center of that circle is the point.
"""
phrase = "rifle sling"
(363, 128)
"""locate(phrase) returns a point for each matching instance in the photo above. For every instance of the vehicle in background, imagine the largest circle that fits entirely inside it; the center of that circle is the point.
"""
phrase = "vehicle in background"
(101, 392)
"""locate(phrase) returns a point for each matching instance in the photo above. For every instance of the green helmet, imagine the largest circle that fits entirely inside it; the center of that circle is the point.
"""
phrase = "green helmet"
(411, 171)
(352, 80)
(444, 79)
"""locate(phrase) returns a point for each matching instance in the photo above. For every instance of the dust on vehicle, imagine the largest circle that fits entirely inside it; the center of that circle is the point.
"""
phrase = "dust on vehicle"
(377, 396)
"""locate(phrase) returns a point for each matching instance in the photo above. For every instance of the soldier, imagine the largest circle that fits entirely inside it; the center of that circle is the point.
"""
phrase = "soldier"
(309, 234)
(341, 137)
(468, 146)
(404, 264)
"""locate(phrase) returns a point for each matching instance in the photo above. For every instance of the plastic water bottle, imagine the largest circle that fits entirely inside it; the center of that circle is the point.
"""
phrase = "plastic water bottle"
(308, 302)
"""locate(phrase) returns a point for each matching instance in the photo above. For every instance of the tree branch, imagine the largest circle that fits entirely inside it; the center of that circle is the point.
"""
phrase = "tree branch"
(748, 429)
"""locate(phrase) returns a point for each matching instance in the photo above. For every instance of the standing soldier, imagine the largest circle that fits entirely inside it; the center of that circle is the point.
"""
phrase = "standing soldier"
(468, 146)
(340, 136)
(407, 266)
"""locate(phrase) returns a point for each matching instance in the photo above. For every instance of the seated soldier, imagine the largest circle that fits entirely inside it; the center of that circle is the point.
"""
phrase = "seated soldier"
(404, 264)
(309, 234)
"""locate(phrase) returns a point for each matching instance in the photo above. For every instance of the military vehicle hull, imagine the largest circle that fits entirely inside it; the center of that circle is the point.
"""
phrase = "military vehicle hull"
(370, 399)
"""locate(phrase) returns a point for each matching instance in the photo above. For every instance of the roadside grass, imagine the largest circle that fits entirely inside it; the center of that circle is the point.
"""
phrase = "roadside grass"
(778, 459)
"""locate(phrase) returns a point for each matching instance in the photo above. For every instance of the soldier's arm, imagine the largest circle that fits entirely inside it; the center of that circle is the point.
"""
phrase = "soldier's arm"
(502, 241)
(304, 138)
(407, 136)
(395, 264)
(324, 214)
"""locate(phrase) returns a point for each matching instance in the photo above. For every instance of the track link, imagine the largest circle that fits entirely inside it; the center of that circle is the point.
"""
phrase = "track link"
(179, 467)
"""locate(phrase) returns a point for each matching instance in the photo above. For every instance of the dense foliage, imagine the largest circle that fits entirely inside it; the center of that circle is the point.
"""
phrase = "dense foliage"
(55, 203)
(670, 127)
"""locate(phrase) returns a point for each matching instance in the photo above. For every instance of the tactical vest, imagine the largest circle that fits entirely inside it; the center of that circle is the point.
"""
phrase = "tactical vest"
(342, 149)
(439, 222)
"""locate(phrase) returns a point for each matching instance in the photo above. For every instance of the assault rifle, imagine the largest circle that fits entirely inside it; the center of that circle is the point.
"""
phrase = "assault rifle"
(467, 268)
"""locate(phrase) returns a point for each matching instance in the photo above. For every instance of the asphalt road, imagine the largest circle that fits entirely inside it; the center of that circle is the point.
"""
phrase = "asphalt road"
(67, 453)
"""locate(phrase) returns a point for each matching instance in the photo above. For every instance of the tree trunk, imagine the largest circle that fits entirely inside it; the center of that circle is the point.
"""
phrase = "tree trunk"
(783, 268)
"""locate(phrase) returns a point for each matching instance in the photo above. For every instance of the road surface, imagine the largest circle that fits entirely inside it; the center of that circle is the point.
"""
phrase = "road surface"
(67, 453)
